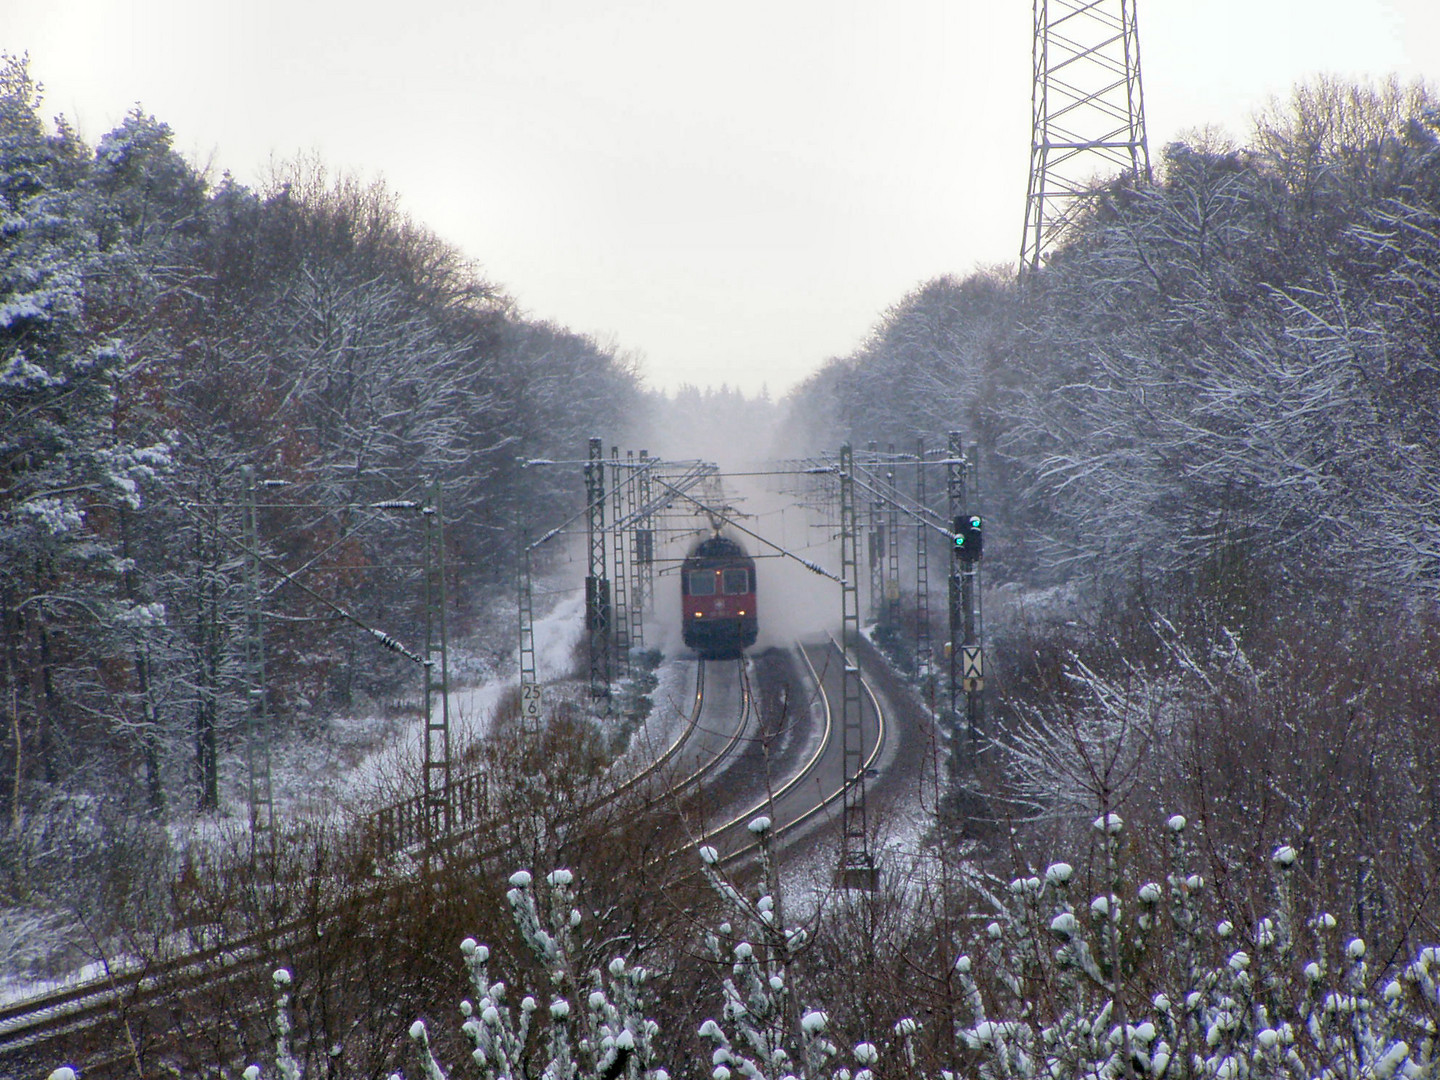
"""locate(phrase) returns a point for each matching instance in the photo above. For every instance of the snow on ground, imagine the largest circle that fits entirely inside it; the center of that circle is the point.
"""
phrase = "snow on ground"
(357, 762)
(377, 754)
(902, 854)
(671, 702)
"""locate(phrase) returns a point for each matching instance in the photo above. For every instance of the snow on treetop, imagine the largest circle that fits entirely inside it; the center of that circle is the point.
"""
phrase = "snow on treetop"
(1176, 823)
(759, 825)
(1058, 873)
(520, 879)
(1284, 856)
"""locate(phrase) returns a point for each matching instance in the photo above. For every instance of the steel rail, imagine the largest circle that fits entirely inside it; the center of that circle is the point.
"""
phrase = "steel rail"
(30, 1023)
(781, 829)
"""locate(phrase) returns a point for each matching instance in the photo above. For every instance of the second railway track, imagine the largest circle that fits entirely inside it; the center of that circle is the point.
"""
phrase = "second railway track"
(40, 1030)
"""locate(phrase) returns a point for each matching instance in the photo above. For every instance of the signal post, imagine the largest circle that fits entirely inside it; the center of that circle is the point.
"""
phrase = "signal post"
(966, 659)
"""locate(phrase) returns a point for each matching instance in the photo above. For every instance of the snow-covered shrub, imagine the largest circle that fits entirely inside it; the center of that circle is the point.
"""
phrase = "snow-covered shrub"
(594, 1026)
(1066, 996)
(1140, 981)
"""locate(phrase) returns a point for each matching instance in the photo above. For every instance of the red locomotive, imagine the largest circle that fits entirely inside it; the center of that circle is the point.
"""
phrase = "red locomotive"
(717, 594)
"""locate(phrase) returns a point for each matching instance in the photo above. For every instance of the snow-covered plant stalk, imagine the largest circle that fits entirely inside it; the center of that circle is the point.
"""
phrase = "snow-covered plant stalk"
(285, 1063)
(597, 1029)
(432, 1068)
(1234, 1008)
(762, 1034)
(1274, 941)
(1107, 909)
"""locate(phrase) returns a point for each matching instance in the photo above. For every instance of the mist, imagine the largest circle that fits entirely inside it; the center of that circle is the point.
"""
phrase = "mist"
(739, 434)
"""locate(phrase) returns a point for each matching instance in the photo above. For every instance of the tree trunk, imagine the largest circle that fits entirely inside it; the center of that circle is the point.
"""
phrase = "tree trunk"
(206, 710)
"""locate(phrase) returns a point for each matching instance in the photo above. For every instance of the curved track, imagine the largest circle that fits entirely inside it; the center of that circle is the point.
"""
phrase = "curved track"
(712, 733)
(722, 715)
(797, 803)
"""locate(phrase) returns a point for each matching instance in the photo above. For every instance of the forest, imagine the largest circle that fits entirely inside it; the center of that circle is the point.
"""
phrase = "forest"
(1202, 837)
(162, 334)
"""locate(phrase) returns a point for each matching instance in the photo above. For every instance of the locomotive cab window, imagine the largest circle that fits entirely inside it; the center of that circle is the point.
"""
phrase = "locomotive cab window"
(702, 582)
(737, 581)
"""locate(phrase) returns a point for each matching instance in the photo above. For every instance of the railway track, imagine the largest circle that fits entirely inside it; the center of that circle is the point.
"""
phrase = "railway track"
(792, 811)
(39, 1032)
(707, 764)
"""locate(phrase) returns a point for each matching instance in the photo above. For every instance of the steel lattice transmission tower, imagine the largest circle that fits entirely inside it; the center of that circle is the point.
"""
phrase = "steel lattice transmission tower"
(1088, 113)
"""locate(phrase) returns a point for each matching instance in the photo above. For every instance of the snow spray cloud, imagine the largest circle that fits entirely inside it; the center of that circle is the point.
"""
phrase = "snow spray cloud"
(733, 431)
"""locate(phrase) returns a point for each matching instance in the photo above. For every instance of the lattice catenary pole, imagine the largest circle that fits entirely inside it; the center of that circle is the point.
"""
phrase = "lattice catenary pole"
(923, 648)
(438, 810)
(645, 542)
(619, 577)
(597, 586)
(892, 549)
(876, 540)
(529, 679)
(636, 592)
(856, 864)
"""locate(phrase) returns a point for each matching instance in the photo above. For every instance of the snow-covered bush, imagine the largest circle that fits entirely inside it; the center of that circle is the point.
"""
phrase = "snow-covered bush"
(766, 1028)
(596, 1026)
(1060, 994)
(1137, 981)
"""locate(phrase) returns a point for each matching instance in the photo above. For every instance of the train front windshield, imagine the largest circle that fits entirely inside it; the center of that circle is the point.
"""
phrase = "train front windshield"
(737, 581)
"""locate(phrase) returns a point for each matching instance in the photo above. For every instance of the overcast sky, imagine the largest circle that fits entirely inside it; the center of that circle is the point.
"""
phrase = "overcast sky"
(732, 192)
